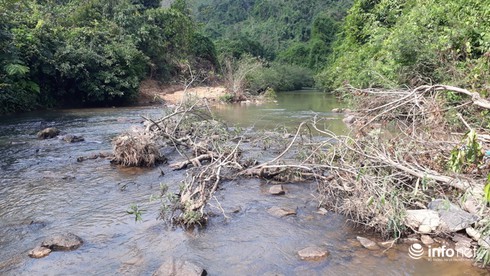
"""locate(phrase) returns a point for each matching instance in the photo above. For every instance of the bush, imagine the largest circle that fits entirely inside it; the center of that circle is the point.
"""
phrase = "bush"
(279, 77)
(403, 42)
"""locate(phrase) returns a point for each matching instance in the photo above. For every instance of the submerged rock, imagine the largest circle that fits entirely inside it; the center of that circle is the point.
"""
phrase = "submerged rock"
(452, 217)
(62, 242)
(367, 243)
(14, 143)
(174, 267)
(281, 212)
(39, 252)
(73, 138)
(47, 133)
(277, 190)
(410, 240)
(387, 244)
(312, 253)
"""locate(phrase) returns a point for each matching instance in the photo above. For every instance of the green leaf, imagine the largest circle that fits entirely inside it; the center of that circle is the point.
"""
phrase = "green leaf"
(14, 69)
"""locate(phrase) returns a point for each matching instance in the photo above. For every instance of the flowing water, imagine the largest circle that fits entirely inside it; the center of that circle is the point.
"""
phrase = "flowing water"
(44, 190)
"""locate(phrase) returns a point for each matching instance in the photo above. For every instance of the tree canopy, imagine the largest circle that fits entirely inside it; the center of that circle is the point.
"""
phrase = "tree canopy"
(410, 42)
(86, 53)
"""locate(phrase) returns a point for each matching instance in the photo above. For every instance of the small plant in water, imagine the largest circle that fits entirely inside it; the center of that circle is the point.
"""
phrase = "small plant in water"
(135, 210)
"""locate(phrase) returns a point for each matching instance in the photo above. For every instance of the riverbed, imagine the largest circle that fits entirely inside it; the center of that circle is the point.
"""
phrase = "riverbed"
(44, 190)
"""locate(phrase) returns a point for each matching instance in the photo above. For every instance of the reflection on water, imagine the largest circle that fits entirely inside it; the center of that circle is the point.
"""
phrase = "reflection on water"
(44, 190)
(290, 109)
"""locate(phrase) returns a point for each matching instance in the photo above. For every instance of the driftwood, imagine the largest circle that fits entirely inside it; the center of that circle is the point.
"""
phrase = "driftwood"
(383, 171)
(372, 175)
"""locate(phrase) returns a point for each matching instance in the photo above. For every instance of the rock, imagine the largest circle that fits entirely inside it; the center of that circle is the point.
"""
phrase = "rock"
(236, 210)
(461, 238)
(312, 253)
(415, 218)
(62, 242)
(337, 110)
(277, 190)
(281, 212)
(39, 252)
(386, 244)
(424, 229)
(14, 143)
(410, 240)
(47, 133)
(349, 119)
(472, 205)
(426, 239)
(174, 267)
(346, 110)
(464, 249)
(474, 234)
(452, 217)
(322, 211)
(73, 138)
(367, 243)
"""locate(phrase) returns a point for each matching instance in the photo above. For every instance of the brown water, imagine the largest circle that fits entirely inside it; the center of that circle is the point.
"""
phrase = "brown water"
(41, 182)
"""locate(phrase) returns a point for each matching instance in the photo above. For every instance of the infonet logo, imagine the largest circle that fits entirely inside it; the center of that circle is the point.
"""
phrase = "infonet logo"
(416, 252)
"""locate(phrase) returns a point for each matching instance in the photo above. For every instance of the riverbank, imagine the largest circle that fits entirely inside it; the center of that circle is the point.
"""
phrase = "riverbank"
(153, 92)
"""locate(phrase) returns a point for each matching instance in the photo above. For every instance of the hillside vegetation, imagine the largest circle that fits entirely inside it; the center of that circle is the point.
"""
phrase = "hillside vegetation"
(291, 31)
(388, 43)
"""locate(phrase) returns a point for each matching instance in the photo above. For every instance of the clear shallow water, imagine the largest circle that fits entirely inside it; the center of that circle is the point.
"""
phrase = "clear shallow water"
(290, 109)
(41, 182)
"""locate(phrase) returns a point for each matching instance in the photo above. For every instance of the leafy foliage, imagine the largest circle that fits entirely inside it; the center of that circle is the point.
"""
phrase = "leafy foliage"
(270, 29)
(467, 156)
(92, 52)
(388, 43)
(279, 77)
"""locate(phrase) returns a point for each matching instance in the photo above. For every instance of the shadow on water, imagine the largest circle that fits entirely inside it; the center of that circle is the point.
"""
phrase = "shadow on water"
(44, 190)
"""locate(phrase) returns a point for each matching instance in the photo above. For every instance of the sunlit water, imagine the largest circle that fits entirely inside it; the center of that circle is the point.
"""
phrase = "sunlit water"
(41, 182)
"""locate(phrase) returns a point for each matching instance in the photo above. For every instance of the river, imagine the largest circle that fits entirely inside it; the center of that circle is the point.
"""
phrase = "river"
(44, 190)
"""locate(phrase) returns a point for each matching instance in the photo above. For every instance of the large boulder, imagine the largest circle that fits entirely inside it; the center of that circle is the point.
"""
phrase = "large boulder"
(48, 133)
(453, 218)
(62, 242)
(174, 267)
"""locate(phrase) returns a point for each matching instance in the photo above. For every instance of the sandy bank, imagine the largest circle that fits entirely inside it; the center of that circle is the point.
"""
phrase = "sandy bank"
(153, 91)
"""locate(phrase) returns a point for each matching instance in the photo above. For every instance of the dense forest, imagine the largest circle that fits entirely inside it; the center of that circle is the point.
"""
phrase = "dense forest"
(388, 43)
(89, 53)
(291, 31)
(69, 53)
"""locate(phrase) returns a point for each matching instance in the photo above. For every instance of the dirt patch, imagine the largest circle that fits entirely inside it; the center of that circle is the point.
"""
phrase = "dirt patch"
(209, 92)
(151, 91)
